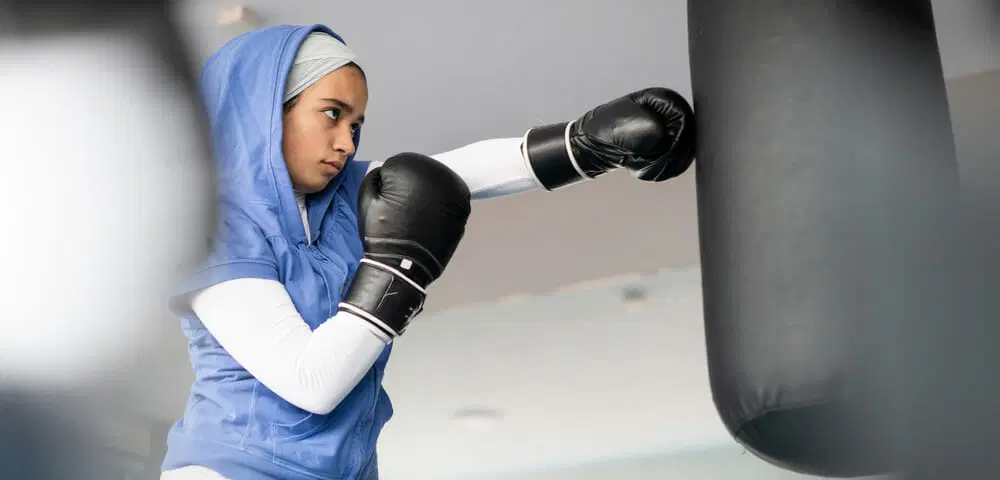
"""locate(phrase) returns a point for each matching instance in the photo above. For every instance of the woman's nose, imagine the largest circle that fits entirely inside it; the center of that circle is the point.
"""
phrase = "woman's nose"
(343, 140)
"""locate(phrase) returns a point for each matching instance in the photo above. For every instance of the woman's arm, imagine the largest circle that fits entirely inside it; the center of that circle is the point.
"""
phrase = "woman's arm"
(649, 131)
(257, 323)
(491, 168)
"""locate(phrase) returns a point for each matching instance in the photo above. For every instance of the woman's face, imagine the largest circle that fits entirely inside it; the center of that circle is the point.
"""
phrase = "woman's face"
(319, 125)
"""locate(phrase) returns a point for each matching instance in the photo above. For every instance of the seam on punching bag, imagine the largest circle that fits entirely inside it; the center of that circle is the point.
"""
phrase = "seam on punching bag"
(782, 409)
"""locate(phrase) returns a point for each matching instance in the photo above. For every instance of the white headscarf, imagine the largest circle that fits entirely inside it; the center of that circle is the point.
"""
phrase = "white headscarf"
(318, 55)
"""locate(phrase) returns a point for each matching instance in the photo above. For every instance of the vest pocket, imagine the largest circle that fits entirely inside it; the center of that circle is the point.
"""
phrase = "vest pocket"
(304, 426)
(292, 447)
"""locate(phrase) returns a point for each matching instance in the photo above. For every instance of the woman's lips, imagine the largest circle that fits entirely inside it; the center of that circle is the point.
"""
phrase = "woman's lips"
(332, 166)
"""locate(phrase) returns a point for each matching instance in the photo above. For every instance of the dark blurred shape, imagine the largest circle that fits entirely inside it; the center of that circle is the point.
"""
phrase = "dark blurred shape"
(827, 189)
(41, 438)
(65, 16)
(148, 21)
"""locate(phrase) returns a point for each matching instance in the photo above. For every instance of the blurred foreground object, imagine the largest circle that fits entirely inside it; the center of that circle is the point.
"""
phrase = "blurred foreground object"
(107, 191)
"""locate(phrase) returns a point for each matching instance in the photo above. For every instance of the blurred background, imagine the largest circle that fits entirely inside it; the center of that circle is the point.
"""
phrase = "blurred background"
(566, 340)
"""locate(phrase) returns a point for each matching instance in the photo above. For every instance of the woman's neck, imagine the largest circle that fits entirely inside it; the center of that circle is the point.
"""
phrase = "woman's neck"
(300, 199)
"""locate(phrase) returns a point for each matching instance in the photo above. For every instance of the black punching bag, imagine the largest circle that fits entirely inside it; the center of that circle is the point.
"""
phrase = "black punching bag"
(825, 170)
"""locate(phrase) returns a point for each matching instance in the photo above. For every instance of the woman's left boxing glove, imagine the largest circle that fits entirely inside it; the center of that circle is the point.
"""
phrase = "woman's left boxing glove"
(650, 132)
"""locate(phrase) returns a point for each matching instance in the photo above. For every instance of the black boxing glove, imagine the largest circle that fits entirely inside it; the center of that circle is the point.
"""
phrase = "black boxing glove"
(412, 212)
(649, 132)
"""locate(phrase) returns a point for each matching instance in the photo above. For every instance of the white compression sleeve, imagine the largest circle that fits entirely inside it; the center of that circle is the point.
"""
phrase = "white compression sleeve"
(257, 323)
(491, 168)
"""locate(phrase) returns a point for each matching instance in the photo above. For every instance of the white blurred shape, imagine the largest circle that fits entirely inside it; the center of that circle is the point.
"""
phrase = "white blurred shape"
(105, 194)
(238, 16)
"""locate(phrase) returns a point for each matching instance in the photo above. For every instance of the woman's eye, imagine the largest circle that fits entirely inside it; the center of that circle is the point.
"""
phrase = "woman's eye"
(355, 128)
(333, 113)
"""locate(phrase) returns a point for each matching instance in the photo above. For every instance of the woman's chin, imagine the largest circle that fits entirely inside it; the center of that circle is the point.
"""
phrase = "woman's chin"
(317, 184)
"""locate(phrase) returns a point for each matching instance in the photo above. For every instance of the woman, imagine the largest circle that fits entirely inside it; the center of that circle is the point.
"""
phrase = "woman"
(287, 384)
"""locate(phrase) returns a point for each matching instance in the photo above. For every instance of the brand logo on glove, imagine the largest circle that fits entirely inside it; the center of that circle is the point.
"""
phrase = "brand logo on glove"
(412, 313)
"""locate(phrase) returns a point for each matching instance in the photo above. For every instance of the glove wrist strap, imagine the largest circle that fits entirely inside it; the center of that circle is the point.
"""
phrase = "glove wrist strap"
(550, 157)
(384, 297)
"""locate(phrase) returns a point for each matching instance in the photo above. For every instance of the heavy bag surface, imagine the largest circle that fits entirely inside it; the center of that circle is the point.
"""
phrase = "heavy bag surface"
(825, 150)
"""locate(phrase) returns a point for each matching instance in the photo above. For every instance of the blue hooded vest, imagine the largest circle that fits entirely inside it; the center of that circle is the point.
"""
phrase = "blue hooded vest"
(232, 423)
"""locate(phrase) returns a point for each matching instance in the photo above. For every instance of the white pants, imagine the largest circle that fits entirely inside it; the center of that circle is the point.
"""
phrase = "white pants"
(192, 473)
